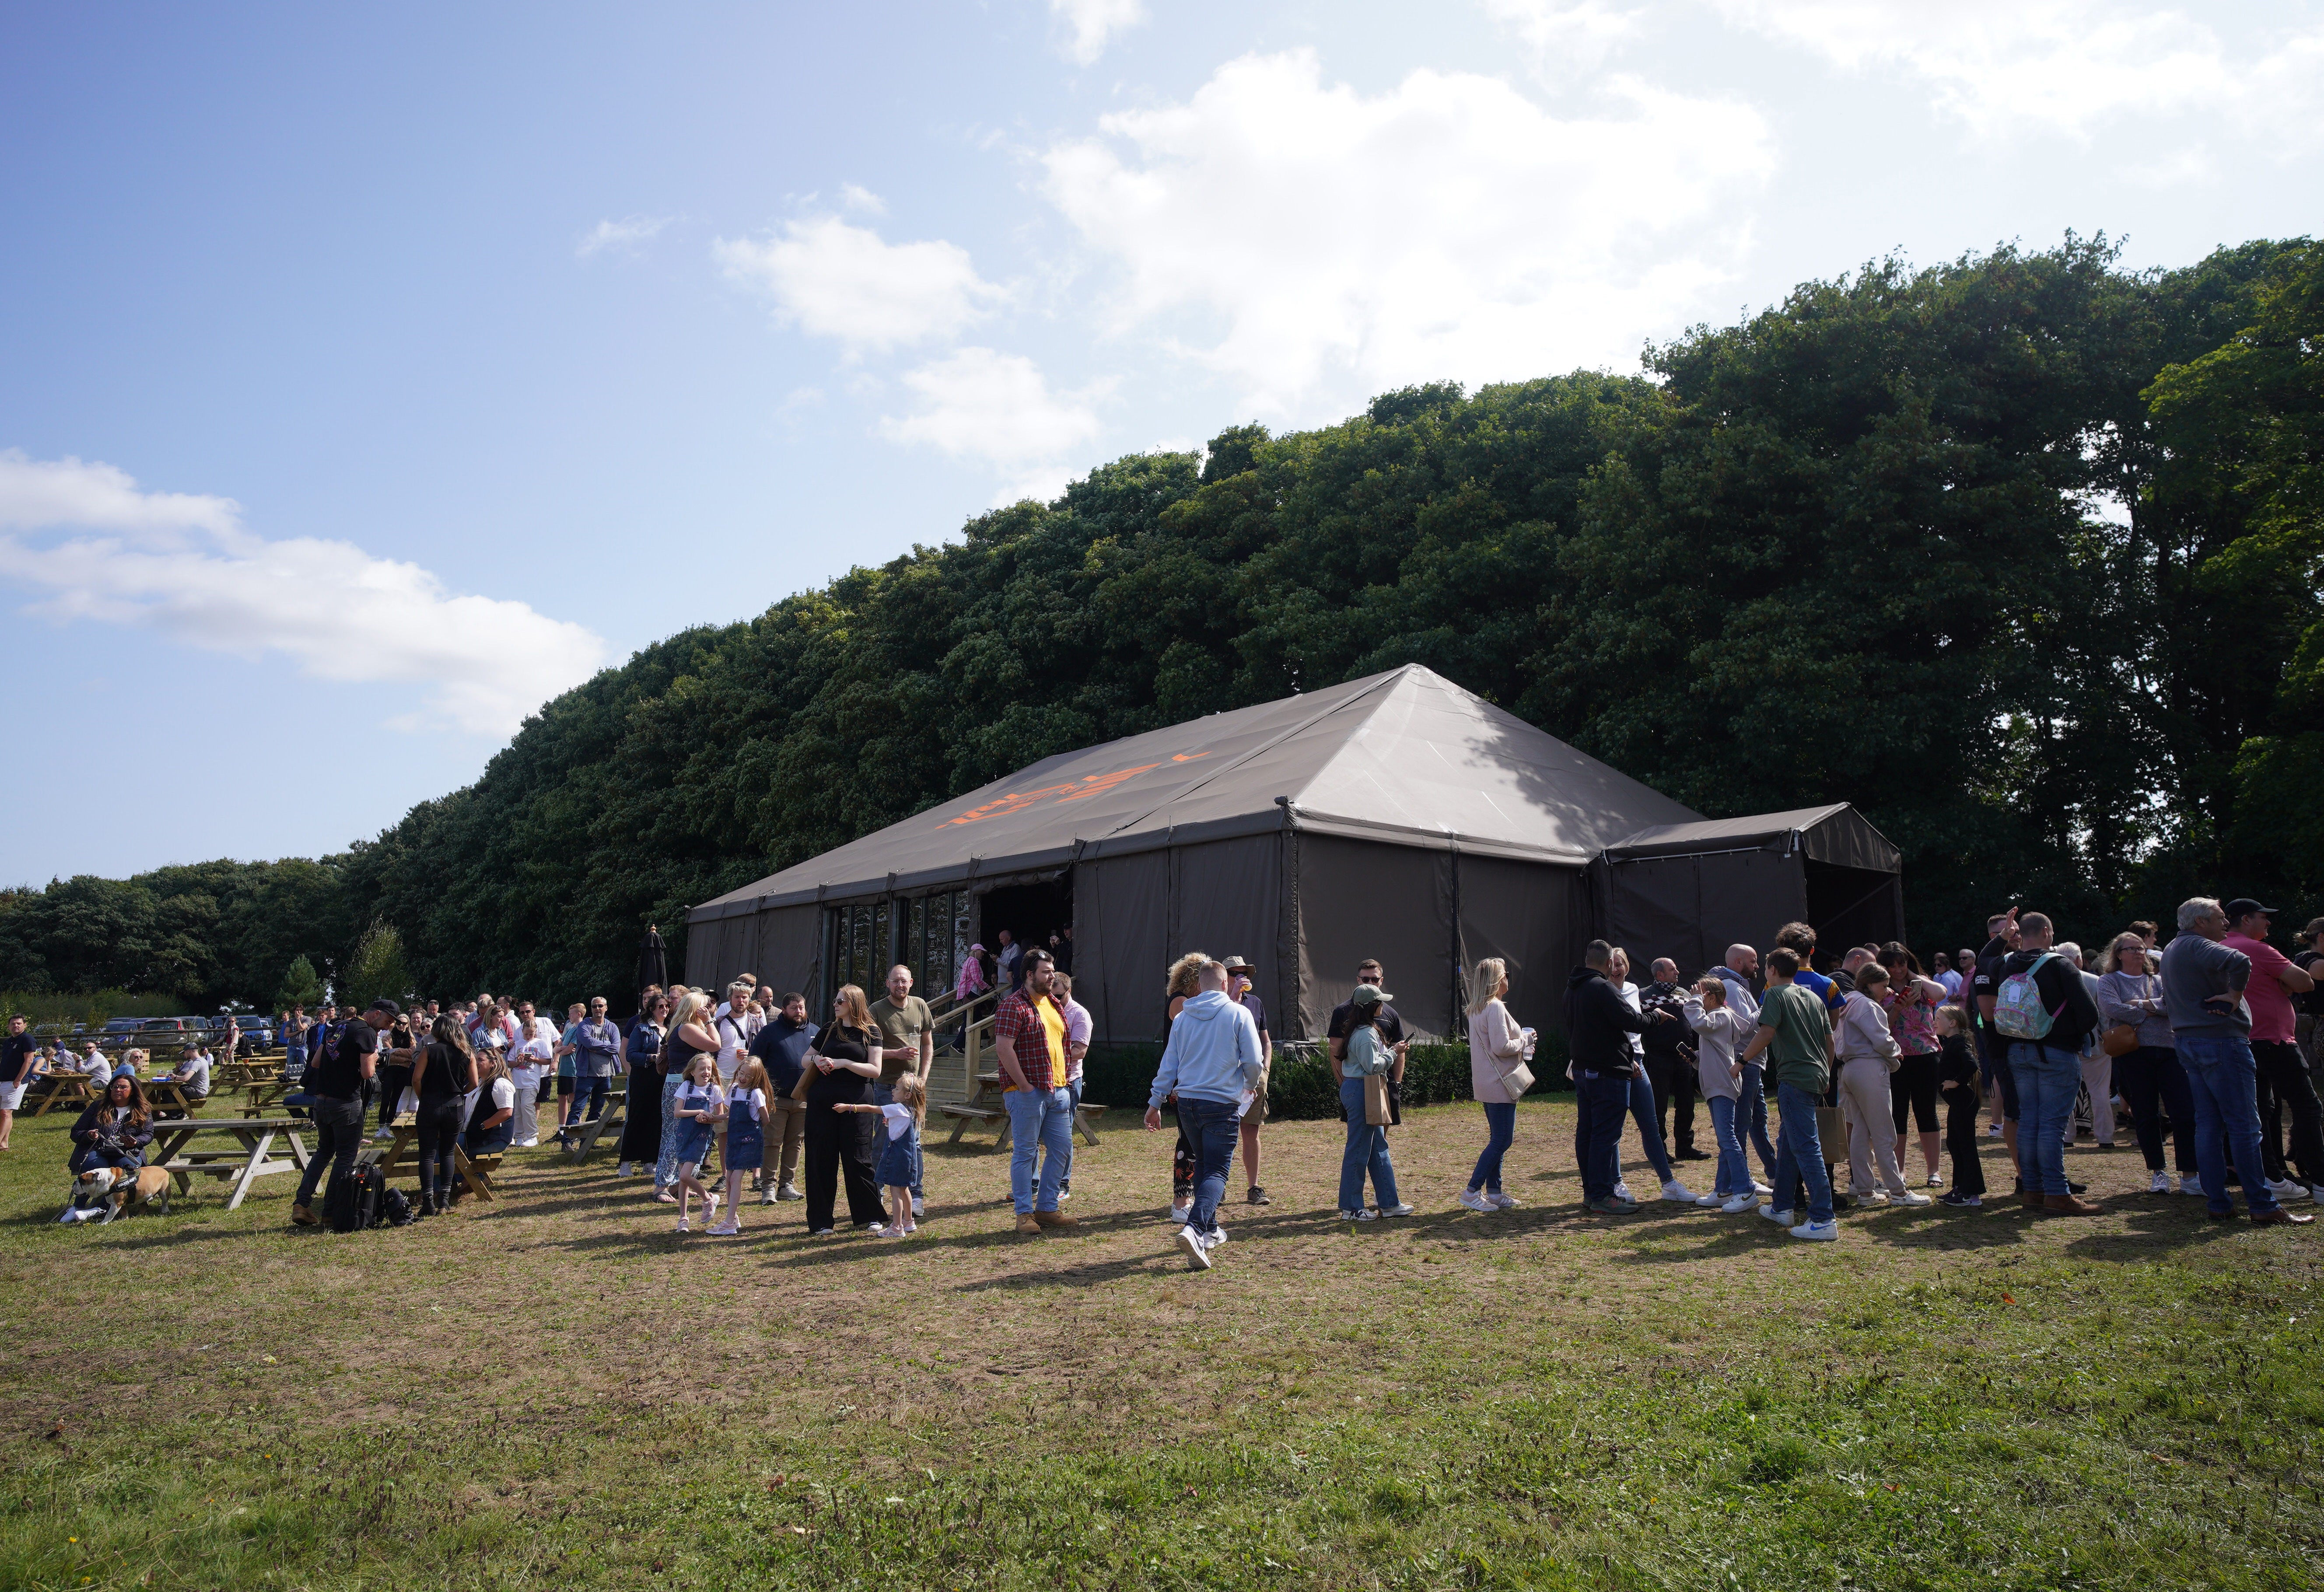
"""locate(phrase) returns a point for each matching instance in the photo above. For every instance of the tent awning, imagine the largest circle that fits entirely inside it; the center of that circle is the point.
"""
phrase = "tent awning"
(1837, 834)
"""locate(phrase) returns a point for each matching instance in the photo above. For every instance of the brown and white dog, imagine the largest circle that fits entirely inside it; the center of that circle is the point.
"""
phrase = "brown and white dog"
(105, 1193)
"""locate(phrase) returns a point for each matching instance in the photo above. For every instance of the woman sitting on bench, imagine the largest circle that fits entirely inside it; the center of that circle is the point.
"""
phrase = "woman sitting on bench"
(113, 1131)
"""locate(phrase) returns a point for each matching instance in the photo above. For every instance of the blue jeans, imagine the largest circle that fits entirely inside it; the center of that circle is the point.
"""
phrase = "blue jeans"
(1755, 1113)
(1039, 1121)
(2048, 1078)
(1367, 1151)
(1800, 1154)
(882, 1095)
(672, 1131)
(1600, 1098)
(1212, 1127)
(589, 1092)
(2225, 1082)
(1501, 1129)
(1734, 1166)
(1650, 1128)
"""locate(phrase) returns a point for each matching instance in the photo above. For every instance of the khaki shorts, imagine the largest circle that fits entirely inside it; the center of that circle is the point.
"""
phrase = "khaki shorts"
(1256, 1112)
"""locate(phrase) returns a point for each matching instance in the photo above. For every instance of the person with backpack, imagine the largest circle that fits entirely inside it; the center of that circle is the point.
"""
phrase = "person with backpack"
(2043, 1013)
(336, 1083)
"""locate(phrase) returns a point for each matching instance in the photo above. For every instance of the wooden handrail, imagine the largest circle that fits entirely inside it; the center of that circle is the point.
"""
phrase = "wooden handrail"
(973, 1047)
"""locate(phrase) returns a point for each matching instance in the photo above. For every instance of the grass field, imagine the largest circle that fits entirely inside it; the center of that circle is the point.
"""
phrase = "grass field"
(564, 1392)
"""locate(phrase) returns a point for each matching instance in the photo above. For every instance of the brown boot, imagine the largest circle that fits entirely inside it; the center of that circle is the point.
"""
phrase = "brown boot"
(2031, 1199)
(1026, 1224)
(1056, 1218)
(2069, 1205)
(301, 1216)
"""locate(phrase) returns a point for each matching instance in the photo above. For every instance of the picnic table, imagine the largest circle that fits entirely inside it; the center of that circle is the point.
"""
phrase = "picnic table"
(265, 1094)
(402, 1134)
(987, 1106)
(63, 1088)
(253, 1070)
(578, 1142)
(250, 1156)
(171, 1096)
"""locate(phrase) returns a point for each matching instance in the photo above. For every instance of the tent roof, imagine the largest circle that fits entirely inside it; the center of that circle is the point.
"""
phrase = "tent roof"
(1837, 834)
(1405, 757)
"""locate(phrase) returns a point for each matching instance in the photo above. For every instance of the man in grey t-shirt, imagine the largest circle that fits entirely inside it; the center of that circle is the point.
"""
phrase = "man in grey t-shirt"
(2203, 993)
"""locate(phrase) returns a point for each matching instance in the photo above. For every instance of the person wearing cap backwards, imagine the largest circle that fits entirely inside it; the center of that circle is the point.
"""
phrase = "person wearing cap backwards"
(1240, 991)
(2281, 1078)
(2204, 983)
(336, 1081)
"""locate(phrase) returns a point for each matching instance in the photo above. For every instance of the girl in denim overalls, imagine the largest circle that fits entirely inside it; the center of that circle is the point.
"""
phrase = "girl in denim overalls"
(747, 1105)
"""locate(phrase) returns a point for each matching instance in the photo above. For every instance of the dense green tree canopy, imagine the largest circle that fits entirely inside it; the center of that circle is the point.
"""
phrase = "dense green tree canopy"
(2018, 553)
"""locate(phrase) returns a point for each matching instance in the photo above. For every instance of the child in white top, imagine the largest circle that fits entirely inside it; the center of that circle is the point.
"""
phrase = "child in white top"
(1725, 1031)
(699, 1104)
(897, 1157)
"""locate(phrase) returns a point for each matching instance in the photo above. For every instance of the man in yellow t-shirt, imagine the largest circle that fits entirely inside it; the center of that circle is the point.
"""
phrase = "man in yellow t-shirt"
(1028, 1032)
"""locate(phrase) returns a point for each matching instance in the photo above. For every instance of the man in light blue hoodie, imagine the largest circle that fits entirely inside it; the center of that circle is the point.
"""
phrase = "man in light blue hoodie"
(1211, 1064)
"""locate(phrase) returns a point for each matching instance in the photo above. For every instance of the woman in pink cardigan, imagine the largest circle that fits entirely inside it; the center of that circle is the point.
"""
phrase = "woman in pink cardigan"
(1497, 1051)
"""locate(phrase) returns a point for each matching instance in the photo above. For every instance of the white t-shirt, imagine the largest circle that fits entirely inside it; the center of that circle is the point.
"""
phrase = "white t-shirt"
(527, 1060)
(95, 1065)
(503, 1095)
(732, 1041)
(695, 1097)
(896, 1119)
(748, 1103)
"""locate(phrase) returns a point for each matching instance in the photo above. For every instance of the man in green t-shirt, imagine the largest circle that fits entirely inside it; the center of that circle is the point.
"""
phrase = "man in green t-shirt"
(1797, 1037)
(909, 1045)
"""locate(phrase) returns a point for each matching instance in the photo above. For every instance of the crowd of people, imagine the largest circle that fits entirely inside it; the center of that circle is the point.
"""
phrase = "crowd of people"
(2204, 1041)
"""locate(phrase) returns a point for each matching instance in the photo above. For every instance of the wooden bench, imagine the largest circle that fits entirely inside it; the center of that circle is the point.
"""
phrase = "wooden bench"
(578, 1142)
(251, 1157)
(63, 1088)
(173, 1097)
(403, 1135)
(976, 1111)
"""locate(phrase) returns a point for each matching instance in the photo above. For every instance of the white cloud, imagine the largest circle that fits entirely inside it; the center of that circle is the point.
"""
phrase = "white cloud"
(623, 234)
(1295, 234)
(1094, 23)
(1565, 35)
(975, 403)
(834, 280)
(861, 198)
(2067, 65)
(184, 566)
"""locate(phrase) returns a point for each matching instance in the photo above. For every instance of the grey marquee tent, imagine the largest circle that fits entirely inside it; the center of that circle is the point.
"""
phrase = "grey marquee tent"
(1397, 816)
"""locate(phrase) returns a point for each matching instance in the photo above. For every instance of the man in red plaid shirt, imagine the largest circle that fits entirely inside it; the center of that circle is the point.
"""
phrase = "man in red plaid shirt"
(1029, 1032)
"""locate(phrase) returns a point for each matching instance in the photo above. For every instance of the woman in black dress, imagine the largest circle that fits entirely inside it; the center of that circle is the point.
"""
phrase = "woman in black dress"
(641, 1117)
(840, 1070)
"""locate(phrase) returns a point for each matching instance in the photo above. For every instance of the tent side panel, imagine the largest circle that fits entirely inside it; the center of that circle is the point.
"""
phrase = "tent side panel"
(1121, 948)
(1229, 898)
(703, 938)
(1746, 897)
(1359, 899)
(789, 941)
(1853, 906)
(1654, 908)
(1522, 912)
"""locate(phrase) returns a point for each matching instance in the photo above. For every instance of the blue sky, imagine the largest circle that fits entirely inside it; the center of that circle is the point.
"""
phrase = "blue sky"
(373, 373)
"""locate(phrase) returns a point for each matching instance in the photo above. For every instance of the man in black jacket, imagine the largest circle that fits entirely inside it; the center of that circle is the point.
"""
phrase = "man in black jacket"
(1670, 1060)
(1598, 1026)
(2048, 1070)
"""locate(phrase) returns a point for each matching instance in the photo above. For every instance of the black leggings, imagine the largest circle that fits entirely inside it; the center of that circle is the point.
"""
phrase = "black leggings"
(1913, 1087)
(440, 1135)
(1962, 1142)
(2153, 1082)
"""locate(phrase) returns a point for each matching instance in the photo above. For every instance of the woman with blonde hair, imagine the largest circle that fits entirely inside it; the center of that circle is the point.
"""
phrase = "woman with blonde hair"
(1498, 1052)
(1184, 982)
(841, 1067)
(690, 1035)
(2153, 1082)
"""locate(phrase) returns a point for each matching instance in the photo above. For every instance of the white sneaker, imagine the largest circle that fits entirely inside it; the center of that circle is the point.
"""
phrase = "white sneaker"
(919, 1207)
(1993, 1130)
(1874, 1198)
(1676, 1190)
(1198, 1253)
(883, 1231)
(1214, 1240)
(1621, 1189)
(384, 1133)
(1398, 1210)
(2288, 1190)
(1357, 1216)
(2191, 1185)
(1820, 1232)
(1934, 1182)
(527, 1144)
(1760, 1189)
(1909, 1197)
(2161, 1185)
(1709, 1201)
(726, 1229)
(1179, 1214)
(1502, 1201)
(1782, 1219)
(622, 1170)
(1474, 1201)
(1740, 1204)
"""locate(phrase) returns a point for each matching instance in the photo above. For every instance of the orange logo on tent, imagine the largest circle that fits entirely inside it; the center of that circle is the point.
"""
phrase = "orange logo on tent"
(1072, 790)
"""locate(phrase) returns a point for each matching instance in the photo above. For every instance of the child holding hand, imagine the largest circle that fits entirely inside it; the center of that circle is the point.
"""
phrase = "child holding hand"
(699, 1104)
(1725, 1031)
(1956, 1083)
(902, 1117)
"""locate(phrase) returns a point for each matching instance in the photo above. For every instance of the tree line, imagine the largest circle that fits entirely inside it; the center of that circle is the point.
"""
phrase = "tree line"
(2019, 553)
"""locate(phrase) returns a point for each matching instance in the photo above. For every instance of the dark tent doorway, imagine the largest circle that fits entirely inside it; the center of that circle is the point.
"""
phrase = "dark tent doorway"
(1032, 912)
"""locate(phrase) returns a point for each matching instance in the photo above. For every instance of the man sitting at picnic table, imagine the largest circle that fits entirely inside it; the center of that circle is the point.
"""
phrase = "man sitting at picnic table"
(191, 1076)
(95, 1065)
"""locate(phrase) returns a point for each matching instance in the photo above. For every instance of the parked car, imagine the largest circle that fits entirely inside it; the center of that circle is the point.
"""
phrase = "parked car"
(121, 1030)
(257, 1027)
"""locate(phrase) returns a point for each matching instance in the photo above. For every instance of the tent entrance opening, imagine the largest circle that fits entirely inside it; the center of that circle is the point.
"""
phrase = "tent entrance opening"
(1030, 913)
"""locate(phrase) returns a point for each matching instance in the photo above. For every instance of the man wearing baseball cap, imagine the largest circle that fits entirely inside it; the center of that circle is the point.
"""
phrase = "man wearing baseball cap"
(2283, 1078)
(336, 1081)
(1240, 991)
